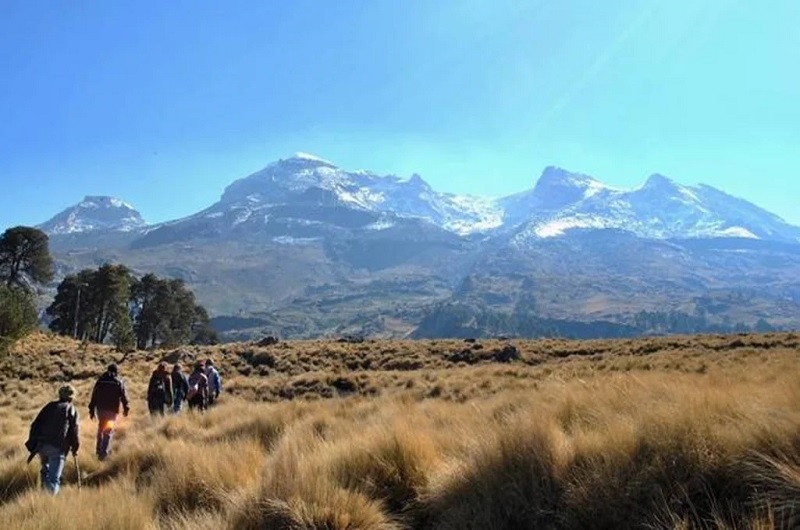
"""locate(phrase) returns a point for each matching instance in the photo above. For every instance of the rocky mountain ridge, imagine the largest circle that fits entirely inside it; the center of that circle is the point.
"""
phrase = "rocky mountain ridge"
(561, 201)
(303, 248)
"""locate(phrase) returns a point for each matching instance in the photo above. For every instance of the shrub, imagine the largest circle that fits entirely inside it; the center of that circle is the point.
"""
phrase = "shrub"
(17, 315)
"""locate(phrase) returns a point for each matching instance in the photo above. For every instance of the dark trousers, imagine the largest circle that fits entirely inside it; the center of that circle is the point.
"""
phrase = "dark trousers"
(197, 402)
(178, 401)
(156, 407)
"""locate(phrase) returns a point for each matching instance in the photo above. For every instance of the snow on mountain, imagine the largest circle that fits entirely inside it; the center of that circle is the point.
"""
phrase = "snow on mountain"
(560, 201)
(306, 177)
(555, 190)
(312, 158)
(475, 214)
(302, 195)
(95, 213)
(659, 209)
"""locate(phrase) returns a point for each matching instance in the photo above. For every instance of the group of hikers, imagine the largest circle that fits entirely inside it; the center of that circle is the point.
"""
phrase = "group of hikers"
(55, 431)
(199, 390)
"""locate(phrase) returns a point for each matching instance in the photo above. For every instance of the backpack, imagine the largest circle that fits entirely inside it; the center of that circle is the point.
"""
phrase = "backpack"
(180, 384)
(156, 389)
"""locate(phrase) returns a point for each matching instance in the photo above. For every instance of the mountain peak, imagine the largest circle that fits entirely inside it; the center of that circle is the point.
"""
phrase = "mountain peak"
(285, 177)
(95, 213)
(104, 201)
(659, 181)
(308, 158)
(418, 182)
(554, 175)
(558, 188)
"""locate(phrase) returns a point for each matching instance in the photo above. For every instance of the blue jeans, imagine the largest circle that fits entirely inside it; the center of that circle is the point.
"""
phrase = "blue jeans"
(53, 460)
(106, 420)
(178, 401)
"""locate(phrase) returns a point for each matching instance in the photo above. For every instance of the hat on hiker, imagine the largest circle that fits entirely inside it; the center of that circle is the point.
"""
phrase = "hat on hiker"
(112, 368)
(66, 392)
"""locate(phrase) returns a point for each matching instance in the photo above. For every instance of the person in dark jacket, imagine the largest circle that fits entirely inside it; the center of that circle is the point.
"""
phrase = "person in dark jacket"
(54, 433)
(159, 390)
(180, 385)
(108, 394)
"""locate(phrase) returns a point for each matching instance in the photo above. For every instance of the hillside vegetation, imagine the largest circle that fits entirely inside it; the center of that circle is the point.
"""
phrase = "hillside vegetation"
(678, 433)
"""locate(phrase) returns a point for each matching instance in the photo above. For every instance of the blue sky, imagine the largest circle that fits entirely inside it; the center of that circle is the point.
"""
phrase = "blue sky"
(165, 103)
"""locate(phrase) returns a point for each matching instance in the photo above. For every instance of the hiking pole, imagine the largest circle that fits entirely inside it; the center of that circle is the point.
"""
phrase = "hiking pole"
(77, 470)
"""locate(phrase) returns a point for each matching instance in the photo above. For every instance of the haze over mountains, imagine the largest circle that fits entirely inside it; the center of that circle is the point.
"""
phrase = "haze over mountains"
(304, 248)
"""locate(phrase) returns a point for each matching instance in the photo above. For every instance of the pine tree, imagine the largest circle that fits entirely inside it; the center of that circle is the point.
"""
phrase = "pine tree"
(145, 311)
(25, 257)
(71, 309)
(91, 304)
(124, 338)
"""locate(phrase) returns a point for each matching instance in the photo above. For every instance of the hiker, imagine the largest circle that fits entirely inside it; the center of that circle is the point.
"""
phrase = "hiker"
(198, 388)
(159, 390)
(108, 394)
(54, 433)
(180, 385)
(214, 382)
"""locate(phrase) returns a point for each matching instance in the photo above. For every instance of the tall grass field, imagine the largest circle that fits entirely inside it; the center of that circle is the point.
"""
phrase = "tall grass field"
(662, 433)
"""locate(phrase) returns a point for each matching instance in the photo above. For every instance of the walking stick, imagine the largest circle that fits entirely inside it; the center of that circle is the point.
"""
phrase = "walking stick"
(77, 470)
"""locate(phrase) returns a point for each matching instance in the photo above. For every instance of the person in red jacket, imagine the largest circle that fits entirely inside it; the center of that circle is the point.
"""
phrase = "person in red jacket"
(107, 396)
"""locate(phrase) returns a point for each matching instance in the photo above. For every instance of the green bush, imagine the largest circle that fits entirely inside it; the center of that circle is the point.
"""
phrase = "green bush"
(17, 315)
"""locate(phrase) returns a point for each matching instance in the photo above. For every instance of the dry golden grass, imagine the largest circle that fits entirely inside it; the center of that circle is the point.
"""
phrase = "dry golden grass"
(679, 433)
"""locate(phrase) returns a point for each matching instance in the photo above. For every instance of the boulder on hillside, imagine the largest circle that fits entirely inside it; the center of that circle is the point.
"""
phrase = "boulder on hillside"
(269, 340)
(464, 356)
(351, 339)
(507, 354)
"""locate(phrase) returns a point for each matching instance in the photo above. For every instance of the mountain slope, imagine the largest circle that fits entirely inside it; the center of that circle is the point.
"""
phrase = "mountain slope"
(311, 249)
(304, 197)
(659, 209)
(304, 177)
(95, 213)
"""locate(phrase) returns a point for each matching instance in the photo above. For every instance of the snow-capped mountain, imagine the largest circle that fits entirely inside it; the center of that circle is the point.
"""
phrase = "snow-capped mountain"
(659, 209)
(304, 195)
(555, 190)
(338, 248)
(95, 213)
(314, 182)
(559, 202)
